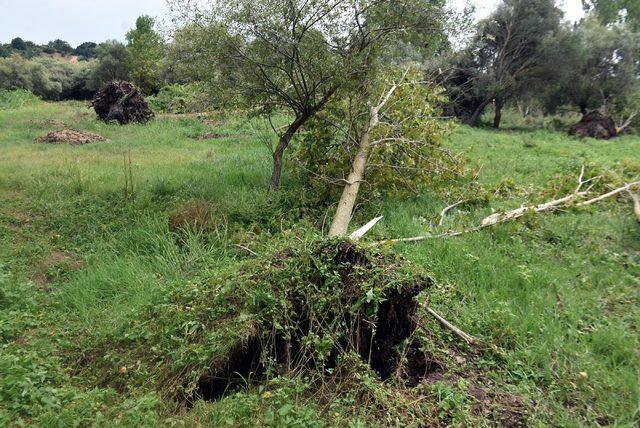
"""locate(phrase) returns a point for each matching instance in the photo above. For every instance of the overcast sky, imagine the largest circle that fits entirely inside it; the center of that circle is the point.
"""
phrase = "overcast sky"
(77, 21)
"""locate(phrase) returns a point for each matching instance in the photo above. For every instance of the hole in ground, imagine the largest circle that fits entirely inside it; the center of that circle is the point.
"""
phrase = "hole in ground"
(242, 369)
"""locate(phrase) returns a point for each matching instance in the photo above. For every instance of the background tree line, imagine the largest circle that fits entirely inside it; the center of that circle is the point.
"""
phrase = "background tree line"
(522, 56)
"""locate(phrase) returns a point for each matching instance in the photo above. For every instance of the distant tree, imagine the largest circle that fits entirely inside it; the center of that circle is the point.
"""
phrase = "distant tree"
(60, 46)
(86, 50)
(6, 50)
(19, 44)
(590, 66)
(17, 72)
(502, 58)
(113, 64)
(146, 50)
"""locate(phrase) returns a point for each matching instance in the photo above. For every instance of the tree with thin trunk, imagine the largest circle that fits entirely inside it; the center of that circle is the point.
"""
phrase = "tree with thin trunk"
(289, 57)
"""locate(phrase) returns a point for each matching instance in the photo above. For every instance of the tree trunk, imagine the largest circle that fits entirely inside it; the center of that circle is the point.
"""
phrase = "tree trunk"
(285, 139)
(498, 113)
(278, 154)
(474, 120)
(583, 109)
(341, 220)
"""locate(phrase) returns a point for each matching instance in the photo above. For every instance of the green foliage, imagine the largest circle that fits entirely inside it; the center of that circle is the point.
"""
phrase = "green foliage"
(48, 78)
(86, 50)
(17, 98)
(145, 50)
(591, 66)
(409, 153)
(112, 64)
(177, 98)
(616, 11)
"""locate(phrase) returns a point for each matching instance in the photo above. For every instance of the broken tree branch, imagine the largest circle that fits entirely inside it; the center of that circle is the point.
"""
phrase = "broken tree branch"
(636, 203)
(461, 334)
(519, 212)
(364, 229)
(624, 188)
(444, 212)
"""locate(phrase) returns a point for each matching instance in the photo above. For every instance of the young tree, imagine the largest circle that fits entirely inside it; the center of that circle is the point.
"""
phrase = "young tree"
(293, 55)
(146, 50)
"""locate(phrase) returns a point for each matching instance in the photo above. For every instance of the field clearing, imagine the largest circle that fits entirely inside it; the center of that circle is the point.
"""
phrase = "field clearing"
(554, 297)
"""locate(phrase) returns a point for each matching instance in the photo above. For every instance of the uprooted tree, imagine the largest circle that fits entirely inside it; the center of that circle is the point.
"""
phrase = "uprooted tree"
(293, 56)
(121, 102)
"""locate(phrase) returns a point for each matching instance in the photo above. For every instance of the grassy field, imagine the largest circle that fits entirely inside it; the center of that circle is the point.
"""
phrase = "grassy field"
(554, 298)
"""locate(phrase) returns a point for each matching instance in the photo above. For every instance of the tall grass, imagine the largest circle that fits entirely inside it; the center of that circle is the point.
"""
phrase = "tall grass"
(555, 297)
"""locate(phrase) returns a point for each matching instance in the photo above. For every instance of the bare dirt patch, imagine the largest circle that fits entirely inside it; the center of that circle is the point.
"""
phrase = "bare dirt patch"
(56, 122)
(72, 137)
(56, 265)
(214, 136)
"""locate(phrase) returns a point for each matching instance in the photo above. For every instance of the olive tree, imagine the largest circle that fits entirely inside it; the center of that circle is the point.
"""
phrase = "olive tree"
(294, 55)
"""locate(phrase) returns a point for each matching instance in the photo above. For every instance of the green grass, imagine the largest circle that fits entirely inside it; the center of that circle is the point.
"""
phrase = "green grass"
(554, 298)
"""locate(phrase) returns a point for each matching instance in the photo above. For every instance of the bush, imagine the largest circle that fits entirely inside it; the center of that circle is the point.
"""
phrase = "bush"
(176, 98)
(48, 78)
(16, 98)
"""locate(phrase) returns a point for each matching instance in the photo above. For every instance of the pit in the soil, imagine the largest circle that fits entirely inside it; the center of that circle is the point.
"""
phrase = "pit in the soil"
(378, 341)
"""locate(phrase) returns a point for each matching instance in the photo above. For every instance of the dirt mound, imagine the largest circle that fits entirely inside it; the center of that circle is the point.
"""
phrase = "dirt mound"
(121, 102)
(70, 136)
(337, 299)
(594, 125)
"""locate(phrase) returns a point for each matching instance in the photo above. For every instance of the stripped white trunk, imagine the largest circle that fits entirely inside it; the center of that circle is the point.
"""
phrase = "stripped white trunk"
(341, 220)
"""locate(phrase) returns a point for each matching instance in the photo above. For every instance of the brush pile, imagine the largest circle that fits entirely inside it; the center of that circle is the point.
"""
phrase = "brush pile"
(121, 102)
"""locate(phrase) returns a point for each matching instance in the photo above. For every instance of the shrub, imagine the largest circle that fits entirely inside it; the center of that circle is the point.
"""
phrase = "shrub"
(16, 98)
(177, 98)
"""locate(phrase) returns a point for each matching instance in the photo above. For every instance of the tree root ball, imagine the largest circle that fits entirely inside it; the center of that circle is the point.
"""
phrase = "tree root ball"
(594, 125)
(121, 102)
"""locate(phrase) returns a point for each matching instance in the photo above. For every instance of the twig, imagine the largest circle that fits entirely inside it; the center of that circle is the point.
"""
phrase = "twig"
(248, 250)
(624, 188)
(461, 334)
(449, 208)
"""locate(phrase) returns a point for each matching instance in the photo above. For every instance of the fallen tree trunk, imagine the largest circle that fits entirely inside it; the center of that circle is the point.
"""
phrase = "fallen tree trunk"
(519, 212)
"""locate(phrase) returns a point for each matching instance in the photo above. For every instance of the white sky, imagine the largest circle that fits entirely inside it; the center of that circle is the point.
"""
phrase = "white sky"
(77, 21)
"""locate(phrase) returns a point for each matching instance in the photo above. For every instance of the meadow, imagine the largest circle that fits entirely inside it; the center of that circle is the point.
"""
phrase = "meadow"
(86, 244)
